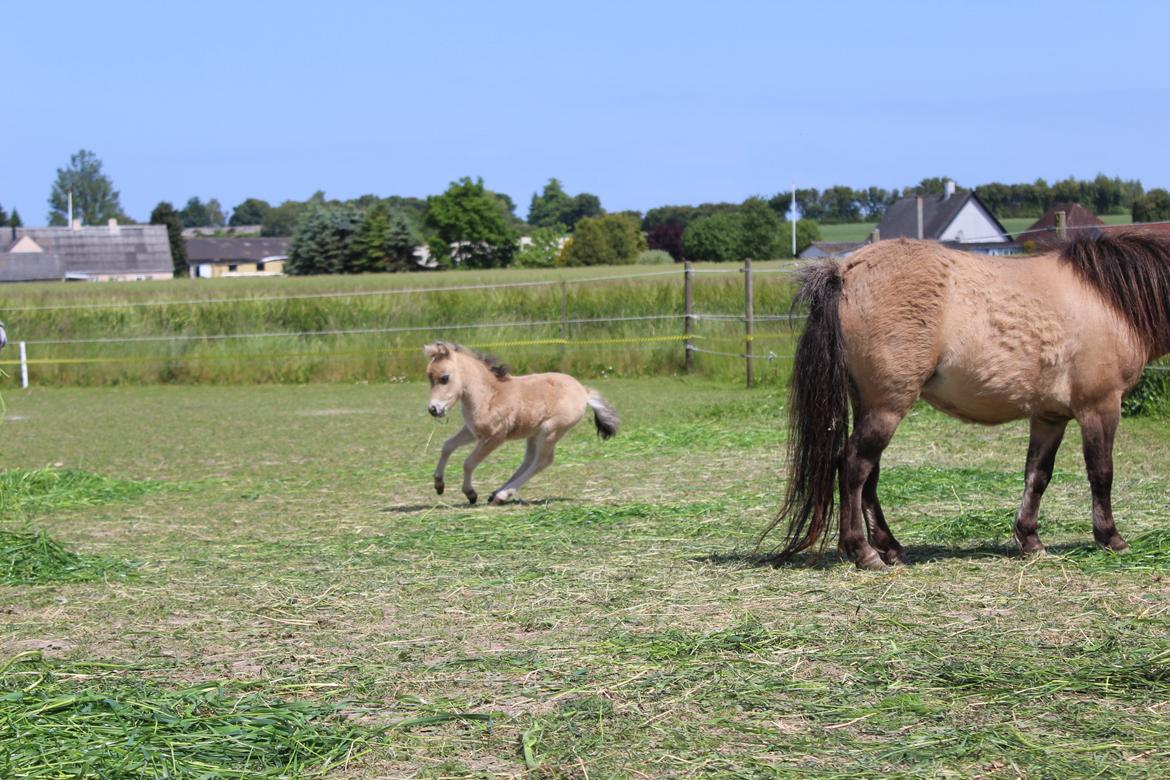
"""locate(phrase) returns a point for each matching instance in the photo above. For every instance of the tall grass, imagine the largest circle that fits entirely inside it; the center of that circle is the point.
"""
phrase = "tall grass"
(190, 331)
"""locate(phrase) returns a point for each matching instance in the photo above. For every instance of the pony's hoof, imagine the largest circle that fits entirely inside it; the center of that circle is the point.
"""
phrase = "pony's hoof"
(871, 562)
(501, 497)
(439, 486)
(895, 557)
(472, 496)
(1114, 544)
(1036, 550)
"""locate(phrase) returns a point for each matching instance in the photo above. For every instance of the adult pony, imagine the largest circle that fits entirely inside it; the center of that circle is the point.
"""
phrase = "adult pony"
(498, 406)
(1054, 337)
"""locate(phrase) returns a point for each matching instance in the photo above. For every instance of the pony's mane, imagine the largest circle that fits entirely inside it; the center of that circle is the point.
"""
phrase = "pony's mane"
(494, 364)
(1131, 271)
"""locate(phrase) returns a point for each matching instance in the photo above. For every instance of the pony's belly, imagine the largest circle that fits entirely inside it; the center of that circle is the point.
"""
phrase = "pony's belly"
(968, 398)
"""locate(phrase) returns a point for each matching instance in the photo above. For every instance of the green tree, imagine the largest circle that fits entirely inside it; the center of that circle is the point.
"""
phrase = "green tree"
(14, 219)
(542, 248)
(282, 220)
(250, 212)
(717, 238)
(215, 217)
(1154, 206)
(547, 208)
(384, 241)
(94, 198)
(323, 241)
(609, 239)
(759, 230)
(554, 206)
(164, 214)
(469, 218)
(3, 216)
(195, 214)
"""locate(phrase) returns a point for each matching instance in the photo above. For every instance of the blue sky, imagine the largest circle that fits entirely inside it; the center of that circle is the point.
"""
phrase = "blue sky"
(642, 103)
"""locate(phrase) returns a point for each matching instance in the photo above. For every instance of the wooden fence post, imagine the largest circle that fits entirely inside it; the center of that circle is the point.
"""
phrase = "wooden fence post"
(688, 316)
(1061, 225)
(748, 324)
(564, 324)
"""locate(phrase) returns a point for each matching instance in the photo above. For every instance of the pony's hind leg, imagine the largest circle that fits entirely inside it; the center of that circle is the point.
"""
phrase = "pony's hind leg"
(530, 451)
(1044, 440)
(545, 451)
(871, 434)
(1098, 428)
(464, 436)
(881, 538)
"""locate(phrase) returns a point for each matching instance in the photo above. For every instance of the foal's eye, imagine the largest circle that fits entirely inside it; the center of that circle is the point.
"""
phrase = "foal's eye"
(444, 379)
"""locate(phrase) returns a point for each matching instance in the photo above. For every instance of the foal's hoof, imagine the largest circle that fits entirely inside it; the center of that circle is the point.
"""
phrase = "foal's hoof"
(472, 496)
(871, 562)
(501, 497)
(1036, 550)
(439, 486)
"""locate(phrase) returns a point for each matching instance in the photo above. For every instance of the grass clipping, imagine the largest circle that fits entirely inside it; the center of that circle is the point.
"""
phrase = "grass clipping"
(86, 722)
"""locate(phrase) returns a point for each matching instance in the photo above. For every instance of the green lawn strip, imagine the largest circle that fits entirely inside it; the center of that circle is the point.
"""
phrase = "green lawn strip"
(33, 558)
(107, 720)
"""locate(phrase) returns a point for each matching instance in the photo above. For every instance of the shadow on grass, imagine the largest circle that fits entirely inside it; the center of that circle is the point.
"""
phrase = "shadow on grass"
(916, 553)
(406, 509)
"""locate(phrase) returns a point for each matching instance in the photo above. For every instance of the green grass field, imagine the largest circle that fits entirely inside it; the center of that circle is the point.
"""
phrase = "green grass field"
(258, 581)
(618, 321)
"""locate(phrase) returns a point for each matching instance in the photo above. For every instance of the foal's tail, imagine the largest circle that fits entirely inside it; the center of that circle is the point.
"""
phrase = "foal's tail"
(818, 416)
(605, 417)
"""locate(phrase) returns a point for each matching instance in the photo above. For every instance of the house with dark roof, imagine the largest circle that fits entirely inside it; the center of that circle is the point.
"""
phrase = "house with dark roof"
(212, 258)
(952, 218)
(110, 253)
(1042, 232)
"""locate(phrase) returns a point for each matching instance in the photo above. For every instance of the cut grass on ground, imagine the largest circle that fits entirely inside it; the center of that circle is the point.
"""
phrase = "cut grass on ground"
(610, 625)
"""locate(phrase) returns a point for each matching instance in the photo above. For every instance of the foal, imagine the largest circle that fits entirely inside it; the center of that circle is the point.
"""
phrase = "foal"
(498, 406)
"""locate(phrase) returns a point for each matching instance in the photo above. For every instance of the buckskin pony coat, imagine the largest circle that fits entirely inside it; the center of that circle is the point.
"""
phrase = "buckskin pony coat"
(1053, 338)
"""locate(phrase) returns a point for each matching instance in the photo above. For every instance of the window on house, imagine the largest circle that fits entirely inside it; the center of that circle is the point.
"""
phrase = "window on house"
(232, 267)
(260, 266)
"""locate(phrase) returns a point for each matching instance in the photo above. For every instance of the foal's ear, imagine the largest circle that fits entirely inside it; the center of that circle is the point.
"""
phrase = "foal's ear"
(436, 350)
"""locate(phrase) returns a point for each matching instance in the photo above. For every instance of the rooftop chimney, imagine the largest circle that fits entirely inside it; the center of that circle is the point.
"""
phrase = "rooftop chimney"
(948, 189)
(76, 224)
(112, 224)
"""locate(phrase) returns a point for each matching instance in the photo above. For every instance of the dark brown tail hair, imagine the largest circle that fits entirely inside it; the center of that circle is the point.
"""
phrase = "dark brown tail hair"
(1131, 270)
(818, 416)
(605, 417)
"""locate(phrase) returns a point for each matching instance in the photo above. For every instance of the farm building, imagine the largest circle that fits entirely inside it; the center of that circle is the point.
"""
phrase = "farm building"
(1042, 232)
(212, 258)
(959, 218)
(110, 253)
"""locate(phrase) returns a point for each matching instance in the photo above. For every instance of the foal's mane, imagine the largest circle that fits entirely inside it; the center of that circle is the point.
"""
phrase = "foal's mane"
(1132, 272)
(494, 364)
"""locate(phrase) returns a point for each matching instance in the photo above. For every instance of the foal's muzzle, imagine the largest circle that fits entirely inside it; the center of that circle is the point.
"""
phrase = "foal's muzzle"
(437, 409)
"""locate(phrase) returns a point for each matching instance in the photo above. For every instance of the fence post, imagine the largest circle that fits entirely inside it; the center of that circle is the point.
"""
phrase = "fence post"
(748, 324)
(23, 366)
(688, 316)
(1061, 225)
(564, 324)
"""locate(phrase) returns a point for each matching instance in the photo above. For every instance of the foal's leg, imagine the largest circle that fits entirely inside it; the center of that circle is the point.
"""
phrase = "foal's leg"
(530, 451)
(871, 433)
(545, 450)
(483, 448)
(1044, 441)
(880, 536)
(464, 436)
(1098, 427)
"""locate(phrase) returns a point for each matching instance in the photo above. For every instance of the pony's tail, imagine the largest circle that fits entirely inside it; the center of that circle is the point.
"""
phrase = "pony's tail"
(818, 416)
(605, 417)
